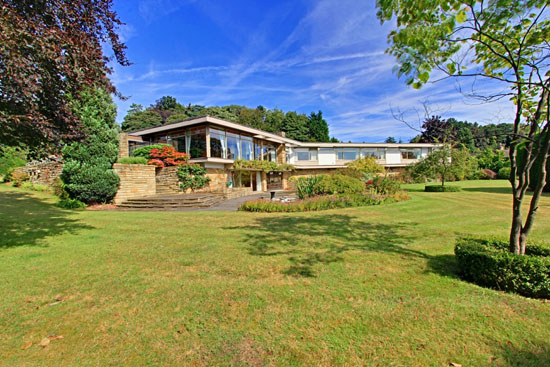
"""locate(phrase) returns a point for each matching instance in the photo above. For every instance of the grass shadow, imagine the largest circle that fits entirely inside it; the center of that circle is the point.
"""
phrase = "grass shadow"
(536, 355)
(27, 220)
(490, 190)
(320, 239)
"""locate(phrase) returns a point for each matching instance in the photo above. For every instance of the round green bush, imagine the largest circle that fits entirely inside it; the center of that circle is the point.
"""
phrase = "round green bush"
(145, 151)
(488, 263)
(439, 188)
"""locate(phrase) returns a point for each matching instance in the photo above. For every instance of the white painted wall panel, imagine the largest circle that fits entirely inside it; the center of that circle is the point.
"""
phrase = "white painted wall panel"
(393, 156)
(327, 156)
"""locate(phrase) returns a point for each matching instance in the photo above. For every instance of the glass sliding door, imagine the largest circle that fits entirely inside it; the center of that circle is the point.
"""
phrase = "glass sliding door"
(217, 143)
(233, 146)
(197, 145)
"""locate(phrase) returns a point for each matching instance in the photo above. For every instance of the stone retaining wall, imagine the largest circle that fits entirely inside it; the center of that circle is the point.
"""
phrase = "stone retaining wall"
(136, 180)
(42, 173)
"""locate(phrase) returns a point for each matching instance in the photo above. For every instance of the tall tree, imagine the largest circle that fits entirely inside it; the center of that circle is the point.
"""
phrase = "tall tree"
(504, 41)
(390, 140)
(87, 169)
(295, 126)
(318, 128)
(51, 51)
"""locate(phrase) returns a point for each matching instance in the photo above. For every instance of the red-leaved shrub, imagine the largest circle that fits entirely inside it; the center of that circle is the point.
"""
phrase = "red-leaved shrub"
(167, 156)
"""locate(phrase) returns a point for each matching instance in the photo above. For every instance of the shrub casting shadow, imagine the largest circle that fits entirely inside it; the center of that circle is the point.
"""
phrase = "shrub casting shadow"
(328, 236)
(490, 190)
(26, 220)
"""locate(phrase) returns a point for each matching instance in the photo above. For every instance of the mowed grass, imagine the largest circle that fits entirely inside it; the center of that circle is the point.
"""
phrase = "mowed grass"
(372, 286)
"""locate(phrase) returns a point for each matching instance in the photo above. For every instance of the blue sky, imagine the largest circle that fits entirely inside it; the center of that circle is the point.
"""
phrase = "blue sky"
(301, 55)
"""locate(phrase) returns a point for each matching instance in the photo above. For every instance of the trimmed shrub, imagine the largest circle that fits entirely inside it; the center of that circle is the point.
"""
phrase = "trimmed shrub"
(132, 160)
(145, 151)
(71, 204)
(488, 263)
(192, 176)
(87, 172)
(439, 188)
(504, 173)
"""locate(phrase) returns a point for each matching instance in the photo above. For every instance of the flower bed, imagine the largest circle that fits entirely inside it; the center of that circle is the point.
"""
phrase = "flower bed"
(320, 203)
(487, 262)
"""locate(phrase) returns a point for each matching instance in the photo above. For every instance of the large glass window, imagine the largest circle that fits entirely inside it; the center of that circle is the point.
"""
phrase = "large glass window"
(242, 179)
(233, 146)
(414, 153)
(377, 153)
(347, 154)
(197, 144)
(270, 153)
(306, 154)
(257, 150)
(178, 143)
(217, 143)
(247, 148)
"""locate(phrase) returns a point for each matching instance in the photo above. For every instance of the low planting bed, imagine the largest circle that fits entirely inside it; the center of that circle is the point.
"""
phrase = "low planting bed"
(323, 202)
(487, 262)
(439, 188)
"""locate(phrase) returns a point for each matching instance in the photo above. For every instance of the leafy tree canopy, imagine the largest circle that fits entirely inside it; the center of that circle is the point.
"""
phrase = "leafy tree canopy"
(50, 53)
(167, 110)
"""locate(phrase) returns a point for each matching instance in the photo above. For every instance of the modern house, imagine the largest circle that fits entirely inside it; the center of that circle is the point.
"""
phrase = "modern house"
(216, 144)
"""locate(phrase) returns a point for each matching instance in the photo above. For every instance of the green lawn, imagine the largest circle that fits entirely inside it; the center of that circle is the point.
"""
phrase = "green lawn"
(373, 286)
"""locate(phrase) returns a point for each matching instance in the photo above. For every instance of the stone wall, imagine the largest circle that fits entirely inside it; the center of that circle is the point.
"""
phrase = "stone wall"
(43, 173)
(136, 180)
(238, 192)
(218, 180)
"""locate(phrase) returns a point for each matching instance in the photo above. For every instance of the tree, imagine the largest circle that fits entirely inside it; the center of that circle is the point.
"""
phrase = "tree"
(51, 52)
(295, 126)
(390, 140)
(137, 119)
(504, 41)
(87, 168)
(318, 128)
(436, 130)
(444, 164)
(166, 103)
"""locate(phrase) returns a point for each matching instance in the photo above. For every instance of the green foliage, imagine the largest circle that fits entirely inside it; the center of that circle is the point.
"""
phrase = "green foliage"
(296, 126)
(439, 188)
(504, 173)
(487, 262)
(384, 185)
(314, 203)
(318, 128)
(390, 140)
(138, 119)
(10, 158)
(71, 204)
(132, 160)
(266, 166)
(192, 176)
(58, 188)
(444, 164)
(493, 160)
(17, 178)
(35, 187)
(306, 186)
(364, 169)
(328, 185)
(145, 151)
(87, 172)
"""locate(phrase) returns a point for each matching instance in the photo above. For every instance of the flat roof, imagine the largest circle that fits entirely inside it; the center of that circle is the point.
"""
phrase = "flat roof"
(260, 134)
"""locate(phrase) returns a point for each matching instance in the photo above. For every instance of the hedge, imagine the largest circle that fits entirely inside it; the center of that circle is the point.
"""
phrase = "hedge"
(132, 160)
(488, 263)
(439, 188)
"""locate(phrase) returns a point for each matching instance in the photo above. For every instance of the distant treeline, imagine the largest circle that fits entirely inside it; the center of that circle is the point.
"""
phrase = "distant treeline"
(473, 136)
(312, 128)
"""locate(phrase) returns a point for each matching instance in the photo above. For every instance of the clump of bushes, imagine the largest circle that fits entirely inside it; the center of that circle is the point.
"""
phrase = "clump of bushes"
(192, 176)
(18, 177)
(132, 160)
(161, 155)
(439, 188)
(328, 185)
(384, 185)
(145, 152)
(35, 187)
(504, 173)
(364, 169)
(71, 204)
(314, 203)
(487, 262)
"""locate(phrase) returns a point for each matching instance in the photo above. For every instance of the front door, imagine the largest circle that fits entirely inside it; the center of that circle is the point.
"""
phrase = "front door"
(275, 180)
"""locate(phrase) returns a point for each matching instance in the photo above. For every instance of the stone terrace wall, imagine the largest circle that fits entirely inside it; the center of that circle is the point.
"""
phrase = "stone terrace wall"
(43, 173)
(136, 180)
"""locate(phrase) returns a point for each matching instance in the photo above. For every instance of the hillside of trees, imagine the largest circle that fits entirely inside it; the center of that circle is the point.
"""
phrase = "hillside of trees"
(312, 128)
(473, 136)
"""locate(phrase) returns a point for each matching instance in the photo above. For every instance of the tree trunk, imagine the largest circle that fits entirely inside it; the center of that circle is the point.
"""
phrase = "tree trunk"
(515, 232)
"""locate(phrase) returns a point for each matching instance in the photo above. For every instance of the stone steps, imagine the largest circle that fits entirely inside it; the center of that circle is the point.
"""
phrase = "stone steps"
(173, 201)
